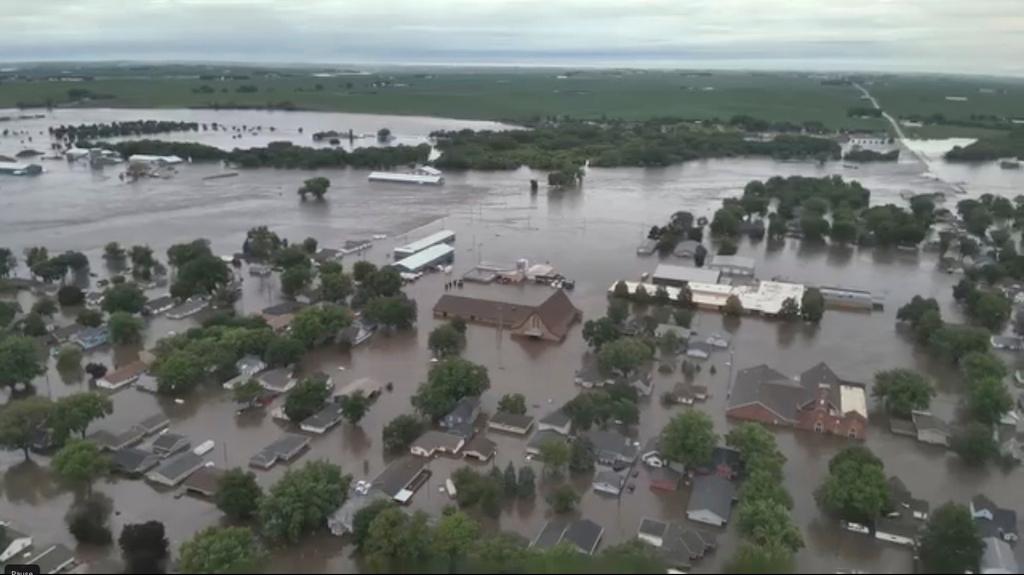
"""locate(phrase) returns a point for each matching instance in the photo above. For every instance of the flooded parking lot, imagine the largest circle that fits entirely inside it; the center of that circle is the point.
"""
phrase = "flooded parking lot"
(589, 235)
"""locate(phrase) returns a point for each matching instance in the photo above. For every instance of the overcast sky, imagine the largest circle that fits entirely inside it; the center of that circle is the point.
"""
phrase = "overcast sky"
(975, 36)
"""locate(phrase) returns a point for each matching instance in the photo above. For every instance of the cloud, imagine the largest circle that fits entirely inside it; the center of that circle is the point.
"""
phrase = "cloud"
(927, 35)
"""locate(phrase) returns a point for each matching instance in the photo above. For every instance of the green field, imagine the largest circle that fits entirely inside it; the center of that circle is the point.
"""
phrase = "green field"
(516, 95)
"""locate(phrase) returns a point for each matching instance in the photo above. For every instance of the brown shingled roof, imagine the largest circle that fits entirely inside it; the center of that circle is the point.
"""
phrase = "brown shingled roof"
(558, 313)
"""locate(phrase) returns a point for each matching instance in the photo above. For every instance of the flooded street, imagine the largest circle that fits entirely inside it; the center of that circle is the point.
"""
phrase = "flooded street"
(589, 235)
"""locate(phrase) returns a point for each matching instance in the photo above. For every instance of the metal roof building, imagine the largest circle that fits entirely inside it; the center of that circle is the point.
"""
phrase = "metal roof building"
(441, 237)
(670, 275)
(441, 253)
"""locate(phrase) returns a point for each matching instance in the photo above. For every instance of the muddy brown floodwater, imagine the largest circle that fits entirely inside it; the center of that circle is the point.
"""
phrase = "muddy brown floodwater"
(589, 235)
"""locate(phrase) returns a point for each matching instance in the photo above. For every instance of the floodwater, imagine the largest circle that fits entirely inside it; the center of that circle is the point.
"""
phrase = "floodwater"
(589, 235)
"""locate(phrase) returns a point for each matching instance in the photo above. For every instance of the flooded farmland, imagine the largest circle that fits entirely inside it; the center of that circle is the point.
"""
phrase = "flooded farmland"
(589, 235)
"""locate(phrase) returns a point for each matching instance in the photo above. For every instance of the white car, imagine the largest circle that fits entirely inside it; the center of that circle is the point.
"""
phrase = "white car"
(362, 487)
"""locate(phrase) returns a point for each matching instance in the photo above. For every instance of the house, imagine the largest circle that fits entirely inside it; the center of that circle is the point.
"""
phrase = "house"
(92, 337)
(250, 365)
(462, 416)
(133, 461)
(284, 449)
(204, 482)
(652, 531)
(930, 429)
(65, 334)
(54, 559)
(170, 443)
(325, 255)
(280, 380)
(322, 421)
(541, 437)
(582, 534)
(998, 557)
(357, 333)
(609, 482)
(112, 441)
(549, 321)
(678, 276)
(176, 469)
(157, 306)
(686, 249)
(1007, 342)
(556, 421)
(342, 520)
(992, 520)
(480, 448)
(901, 498)
(665, 478)
(901, 530)
(677, 544)
(12, 542)
(147, 382)
(589, 375)
(417, 246)
(154, 423)
(725, 462)
(653, 458)
(433, 441)
(681, 333)
(402, 478)
(900, 426)
(711, 500)
(122, 376)
(510, 423)
(816, 401)
(188, 308)
(642, 381)
(433, 256)
(689, 393)
(611, 448)
(698, 349)
(733, 265)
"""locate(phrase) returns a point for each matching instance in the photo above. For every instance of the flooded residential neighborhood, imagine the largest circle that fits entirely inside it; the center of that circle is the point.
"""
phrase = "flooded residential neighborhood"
(586, 235)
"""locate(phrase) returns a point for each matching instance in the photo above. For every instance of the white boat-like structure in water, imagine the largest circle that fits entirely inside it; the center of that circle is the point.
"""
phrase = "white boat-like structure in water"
(423, 175)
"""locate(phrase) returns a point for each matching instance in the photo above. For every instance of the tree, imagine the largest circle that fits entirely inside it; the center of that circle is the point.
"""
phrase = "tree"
(202, 275)
(683, 317)
(767, 523)
(454, 535)
(514, 403)
(180, 254)
(623, 355)
(335, 287)
(88, 519)
(221, 550)
(447, 382)
(261, 243)
(397, 312)
(982, 365)
(69, 296)
(69, 358)
(248, 392)
(814, 227)
(563, 499)
(21, 420)
(790, 309)
(45, 306)
(238, 494)
(600, 331)
(95, 370)
(733, 306)
(554, 454)
(309, 396)
(974, 444)
(19, 361)
(73, 413)
(125, 329)
(283, 351)
(988, 400)
(8, 262)
(314, 325)
(765, 484)
(126, 297)
(295, 279)
(80, 462)
(581, 456)
(955, 341)
(316, 186)
(856, 488)
(757, 559)
(991, 310)
(396, 541)
(446, 341)
(401, 431)
(310, 244)
(951, 542)
(354, 406)
(178, 373)
(510, 481)
(144, 547)
(113, 252)
(912, 311)
(301, 501)
(929, 323)
(621, 290)
(90, 318)
(727, 247)
(7, 312)
(362, 269)
(757, 447)
(844, 230)
(526, 487)
(902, 391)
(812, 305)
(689, 439)
(618, 310)
(363, 518)
(34, 325)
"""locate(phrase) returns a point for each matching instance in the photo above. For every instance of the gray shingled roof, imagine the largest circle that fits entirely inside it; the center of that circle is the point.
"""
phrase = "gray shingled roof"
(584, 534)
(512, 420)
(398, 474)
(762, 384)
(612, 442)
(712, 493)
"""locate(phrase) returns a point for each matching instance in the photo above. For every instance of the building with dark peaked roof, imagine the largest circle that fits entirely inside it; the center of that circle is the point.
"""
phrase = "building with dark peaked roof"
(550, 320)
(204, 481)
(711, 500)
(167, 444)
(992, 520)
(176, 469)
(286, 448)
(133, 461)
(818, 400)
(612, 448)
(510, 423)
(582, 534)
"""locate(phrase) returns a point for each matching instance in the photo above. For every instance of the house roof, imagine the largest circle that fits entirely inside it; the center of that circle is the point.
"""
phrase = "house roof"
(277, 379)
(179, 466)
(170, 442)
(250, 363)
(685, 274)
(925, 421)
(697, 345)
(612, 442)
(111, 440)
(664, 475)
(584, 534)
(652, 527)
(712, 493)
(998, 557)
(154, 422)
(558, 313)
(328, 415)
(766, 386)
(480, 444)
(125, 372)
(398, 474)
(550, 534)
(204, 481)
(610, 478)
(464, 408)
(726, 456)
(433, 440)
(512, 420)
(541, 437)
(133, 460)
(53, 559)
(557, 418)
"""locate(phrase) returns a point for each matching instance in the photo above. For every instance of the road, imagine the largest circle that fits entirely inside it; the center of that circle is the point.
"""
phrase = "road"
(895, 125)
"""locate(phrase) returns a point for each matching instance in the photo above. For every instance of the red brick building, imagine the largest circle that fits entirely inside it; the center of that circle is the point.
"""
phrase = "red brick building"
(818, 400)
